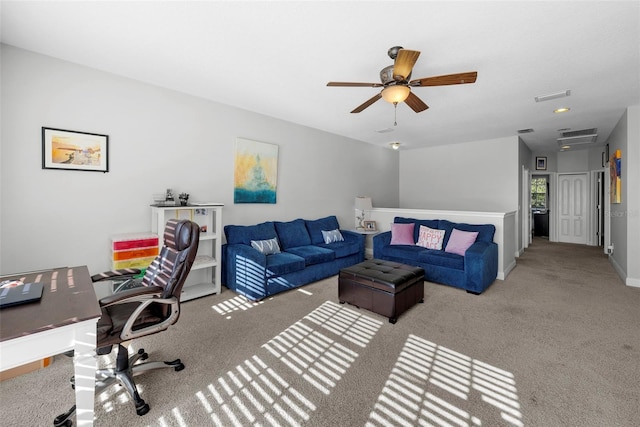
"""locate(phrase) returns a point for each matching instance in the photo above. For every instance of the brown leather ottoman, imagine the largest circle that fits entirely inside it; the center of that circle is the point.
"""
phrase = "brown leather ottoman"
(384, 287)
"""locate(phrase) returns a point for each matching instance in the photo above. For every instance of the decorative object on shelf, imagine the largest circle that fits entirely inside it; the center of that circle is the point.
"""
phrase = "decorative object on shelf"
(370, 226)
(256, 172)
(169, 196)
(72, 150)
(362, 204)
(184, 199)
(541, 163)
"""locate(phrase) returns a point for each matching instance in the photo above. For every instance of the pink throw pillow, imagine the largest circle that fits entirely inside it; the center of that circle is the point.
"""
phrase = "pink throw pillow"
(460, 241)
(402, 234)
(430, 238)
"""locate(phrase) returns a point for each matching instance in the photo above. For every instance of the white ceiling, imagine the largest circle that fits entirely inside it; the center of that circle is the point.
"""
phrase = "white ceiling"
(276, 58)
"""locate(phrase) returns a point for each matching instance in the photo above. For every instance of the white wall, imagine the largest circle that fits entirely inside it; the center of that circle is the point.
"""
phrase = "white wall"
(158, 139)
(475, 176)
(525, 158)
(618, 211)
(625, 217)
(632, 179)
(573, 161)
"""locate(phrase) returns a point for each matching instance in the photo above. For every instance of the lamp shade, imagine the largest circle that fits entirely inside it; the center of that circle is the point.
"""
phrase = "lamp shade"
(395, 94)
(363, 203)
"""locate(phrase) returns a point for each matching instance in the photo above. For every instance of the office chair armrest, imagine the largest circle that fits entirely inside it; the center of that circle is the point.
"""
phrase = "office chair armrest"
(129, 333)
(122, 274)
(144, 296)
(131, 295)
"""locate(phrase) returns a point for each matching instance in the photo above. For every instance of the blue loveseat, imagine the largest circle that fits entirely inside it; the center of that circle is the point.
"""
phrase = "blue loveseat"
(271, 257)
(474, 271)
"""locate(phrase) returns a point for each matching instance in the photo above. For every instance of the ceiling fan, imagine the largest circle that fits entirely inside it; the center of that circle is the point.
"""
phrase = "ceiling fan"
(396, 84)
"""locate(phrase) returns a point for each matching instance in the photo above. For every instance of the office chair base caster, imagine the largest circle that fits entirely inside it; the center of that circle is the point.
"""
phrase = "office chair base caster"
(142, 408)
(63, 420)
(177, 365)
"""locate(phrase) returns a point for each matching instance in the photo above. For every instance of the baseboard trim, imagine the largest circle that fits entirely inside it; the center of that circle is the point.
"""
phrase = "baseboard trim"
(634, 283)
(503, 274)
(623, 274)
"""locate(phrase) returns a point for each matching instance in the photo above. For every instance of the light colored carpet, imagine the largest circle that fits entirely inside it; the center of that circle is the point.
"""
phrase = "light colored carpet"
(556, 344)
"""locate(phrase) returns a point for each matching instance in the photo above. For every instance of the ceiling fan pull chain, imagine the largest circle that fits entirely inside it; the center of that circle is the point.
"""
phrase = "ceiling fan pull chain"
(395, 114)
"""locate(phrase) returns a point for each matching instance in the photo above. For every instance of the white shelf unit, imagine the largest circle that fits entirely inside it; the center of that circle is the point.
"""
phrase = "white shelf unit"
(204, 278)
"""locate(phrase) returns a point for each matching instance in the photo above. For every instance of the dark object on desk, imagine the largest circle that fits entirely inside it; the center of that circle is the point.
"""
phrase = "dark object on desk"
(144, 310)
(22, 294)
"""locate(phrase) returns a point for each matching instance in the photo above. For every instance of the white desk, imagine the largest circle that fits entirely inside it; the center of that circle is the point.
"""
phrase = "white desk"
(65, 319)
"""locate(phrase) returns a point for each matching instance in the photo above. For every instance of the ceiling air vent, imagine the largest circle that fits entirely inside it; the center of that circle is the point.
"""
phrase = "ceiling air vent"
(521, 131)
(550, 96)
(578, 137)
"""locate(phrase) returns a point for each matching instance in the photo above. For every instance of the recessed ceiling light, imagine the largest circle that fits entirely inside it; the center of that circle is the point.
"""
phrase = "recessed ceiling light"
(561, 110)
(395, 145)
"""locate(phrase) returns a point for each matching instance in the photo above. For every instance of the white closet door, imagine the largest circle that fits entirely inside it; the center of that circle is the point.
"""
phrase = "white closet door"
(572, 209)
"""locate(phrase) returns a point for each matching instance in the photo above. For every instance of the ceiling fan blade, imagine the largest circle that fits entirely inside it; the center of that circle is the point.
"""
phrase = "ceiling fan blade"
(448, 79)
(367, 103)
(404, 63)
(415, 103)
(354, 84)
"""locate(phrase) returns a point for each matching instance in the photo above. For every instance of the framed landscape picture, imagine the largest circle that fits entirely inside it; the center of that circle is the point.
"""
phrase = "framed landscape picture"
(541, 163)
(72, 150)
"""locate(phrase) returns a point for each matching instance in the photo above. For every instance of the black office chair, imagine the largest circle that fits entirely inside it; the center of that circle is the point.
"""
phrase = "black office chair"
(148, 307)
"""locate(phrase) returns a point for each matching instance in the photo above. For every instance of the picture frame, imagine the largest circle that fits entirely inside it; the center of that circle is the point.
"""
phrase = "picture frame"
(370, 226)
(541, 163)
(255, 172)
(74, 150)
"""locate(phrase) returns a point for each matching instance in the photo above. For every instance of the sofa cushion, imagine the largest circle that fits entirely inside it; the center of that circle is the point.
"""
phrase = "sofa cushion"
(402, 234)
(292, 234)
(485, 231)
(431, 223)
(315, 228)
(430, 238)
(342, 249)
(460, 241)
(244, 234)
(441, 259)
(284, 263)
(313, 254)
(266, 247)
(332, 236)
(407, 252)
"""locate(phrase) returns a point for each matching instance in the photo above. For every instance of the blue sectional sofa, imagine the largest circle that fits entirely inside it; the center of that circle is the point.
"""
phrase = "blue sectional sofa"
(473, 271)
(271, 257)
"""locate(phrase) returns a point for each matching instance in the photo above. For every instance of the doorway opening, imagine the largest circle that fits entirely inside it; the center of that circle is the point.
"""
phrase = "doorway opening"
(540, 205)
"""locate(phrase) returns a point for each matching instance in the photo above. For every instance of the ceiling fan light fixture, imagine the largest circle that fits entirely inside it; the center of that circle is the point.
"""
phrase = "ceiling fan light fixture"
(395, 94)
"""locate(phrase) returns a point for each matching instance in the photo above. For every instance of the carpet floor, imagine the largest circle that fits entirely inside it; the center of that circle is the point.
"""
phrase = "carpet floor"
(555, 344)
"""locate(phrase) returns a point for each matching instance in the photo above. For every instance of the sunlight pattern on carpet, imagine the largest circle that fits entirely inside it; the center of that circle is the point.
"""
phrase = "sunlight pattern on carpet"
(430, 385)
(313, 354)
(237, 303)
